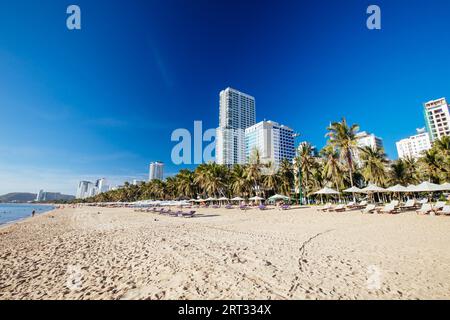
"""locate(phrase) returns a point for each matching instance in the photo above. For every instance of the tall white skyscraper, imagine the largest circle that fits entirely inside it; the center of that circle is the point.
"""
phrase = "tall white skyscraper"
(437, 118)
(156, 171)
(274, 142)
(85, 189)
(102, 185)
(365, 139)
(237, 112)
(414, 146)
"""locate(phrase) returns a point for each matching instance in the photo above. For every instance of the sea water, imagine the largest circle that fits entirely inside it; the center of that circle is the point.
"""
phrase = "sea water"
(10, 212)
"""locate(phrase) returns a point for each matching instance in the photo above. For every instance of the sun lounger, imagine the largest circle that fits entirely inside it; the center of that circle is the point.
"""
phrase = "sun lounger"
(409, 205)
(285, 207)
(339, 208)
(243, 207)
(445, 211)
(189, 214)
(327, 207)
(370, 208)
(229, 206)
(438, 205)
(389, 208)
(262, 207)
(351, 205)
(361, 205)
(425, 209)
(395, 203)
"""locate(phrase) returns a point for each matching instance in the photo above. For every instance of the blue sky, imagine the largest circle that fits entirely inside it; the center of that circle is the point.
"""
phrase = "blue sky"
(104, 100)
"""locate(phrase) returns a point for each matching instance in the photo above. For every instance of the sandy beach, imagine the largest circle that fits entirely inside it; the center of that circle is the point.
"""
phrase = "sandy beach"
(99, 253)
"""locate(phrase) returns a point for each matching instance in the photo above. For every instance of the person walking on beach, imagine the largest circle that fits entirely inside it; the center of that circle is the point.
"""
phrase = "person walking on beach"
(33, 213)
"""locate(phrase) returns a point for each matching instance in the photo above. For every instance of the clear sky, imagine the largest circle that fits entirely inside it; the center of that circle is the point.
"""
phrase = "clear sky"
(103, 101)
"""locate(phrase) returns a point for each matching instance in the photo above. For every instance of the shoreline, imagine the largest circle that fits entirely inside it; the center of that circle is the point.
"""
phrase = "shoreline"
(117, 253)
(24, 219)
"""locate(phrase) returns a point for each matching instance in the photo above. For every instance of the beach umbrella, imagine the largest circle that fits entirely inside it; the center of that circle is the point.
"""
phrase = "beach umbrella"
(353, 190)
(372, 188)
(427, 187)
(279, 197)
(223, 199)
(327, 190)
(445, 186)
(397, 188)
(256, 198)
(411, 188)
(237, 199)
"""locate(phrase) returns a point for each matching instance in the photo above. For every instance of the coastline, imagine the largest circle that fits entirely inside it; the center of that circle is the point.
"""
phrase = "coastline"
(24, 219)
(116, 253)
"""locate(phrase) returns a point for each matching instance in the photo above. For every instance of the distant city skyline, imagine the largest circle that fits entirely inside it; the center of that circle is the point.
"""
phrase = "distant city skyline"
(103, 101)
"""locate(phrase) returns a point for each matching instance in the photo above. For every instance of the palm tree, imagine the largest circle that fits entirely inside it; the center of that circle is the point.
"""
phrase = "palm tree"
(307, 162)
(373, 164)
(443, 146)
(271, 179)
(286, 175)
(333, 169)
(403, 171)
(343, 137)
(186, 185)
(253, 171)
(430, 164)
(239, 183)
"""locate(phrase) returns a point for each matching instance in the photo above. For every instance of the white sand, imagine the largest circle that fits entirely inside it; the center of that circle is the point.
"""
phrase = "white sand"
(225, 254)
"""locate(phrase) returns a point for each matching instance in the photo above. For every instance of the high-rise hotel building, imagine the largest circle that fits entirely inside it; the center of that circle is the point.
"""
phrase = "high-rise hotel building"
(237, 113)
(437, 118)
(274, 142)
(156, 171)
(414, 146)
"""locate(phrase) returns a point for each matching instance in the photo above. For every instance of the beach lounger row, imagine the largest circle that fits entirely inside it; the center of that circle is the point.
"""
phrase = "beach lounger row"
(171, 213)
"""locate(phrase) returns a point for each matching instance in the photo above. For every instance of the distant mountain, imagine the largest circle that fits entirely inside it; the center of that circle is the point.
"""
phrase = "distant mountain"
(18, 197)
(27, 197)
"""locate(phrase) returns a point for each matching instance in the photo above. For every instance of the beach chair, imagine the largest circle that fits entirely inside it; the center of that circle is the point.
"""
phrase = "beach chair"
(327, 207)
(228, 206)
(425, 209)
(361, 205)
(243, 207)
(389, 208)
(262, 207)
(351, 205)
(423, 201)
(189, 214)
(409, 205)
(438, 206)
(396, 203)
(370, 208)
(445, 211)
(285, 207)
(338, 208)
